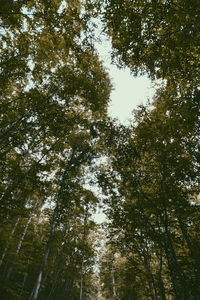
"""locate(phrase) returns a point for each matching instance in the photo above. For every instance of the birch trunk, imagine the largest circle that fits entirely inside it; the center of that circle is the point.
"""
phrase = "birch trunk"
(82, 264)
(10, 237)
(113, 282)
(81, 283)
(36, 289)
(26, 228)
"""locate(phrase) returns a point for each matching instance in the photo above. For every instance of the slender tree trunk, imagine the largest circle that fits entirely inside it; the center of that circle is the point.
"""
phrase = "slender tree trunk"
(25, 229)
(24, 281)
(150, 277)
(82, 264)
(22, 237)
(176, 274)
(186, 237)
(68, 287)
(23, 285)
(10, 237)
(81, 282)
(36, 289)
(175, 286)
(113, 281)
(178, 281)
(160, 280)
(54, 284)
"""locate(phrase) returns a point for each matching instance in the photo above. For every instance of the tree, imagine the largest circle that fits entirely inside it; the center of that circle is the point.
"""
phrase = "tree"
(54, 124)
(157, 37)
(54, 91)
(150, 183)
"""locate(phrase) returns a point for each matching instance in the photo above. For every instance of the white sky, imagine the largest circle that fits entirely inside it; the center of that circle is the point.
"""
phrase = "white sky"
(128, 91)
(127, 94)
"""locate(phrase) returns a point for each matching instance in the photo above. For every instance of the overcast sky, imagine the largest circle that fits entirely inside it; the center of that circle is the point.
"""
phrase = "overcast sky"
(128, 91)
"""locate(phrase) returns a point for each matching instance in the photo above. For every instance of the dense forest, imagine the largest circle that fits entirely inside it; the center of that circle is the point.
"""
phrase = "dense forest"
(63, 156)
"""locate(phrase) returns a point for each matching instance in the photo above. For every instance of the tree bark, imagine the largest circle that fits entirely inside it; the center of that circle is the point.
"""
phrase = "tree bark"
(36, 289)
(11, 235)
(26, 228)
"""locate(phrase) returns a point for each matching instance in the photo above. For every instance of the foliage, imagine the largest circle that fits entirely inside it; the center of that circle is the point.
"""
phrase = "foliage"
(53, 91)
(152, 187)
(56, 136)
(157, 37)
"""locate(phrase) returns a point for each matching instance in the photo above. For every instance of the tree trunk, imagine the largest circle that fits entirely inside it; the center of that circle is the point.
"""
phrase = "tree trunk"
(113, 282)
(82, 264)
(26, 228)
(160, 280)
(150, 277)
(11, 235)
(36, 289)
(81, 283)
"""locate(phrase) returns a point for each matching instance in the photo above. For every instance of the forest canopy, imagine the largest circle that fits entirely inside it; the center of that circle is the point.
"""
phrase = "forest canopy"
(63, 156)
